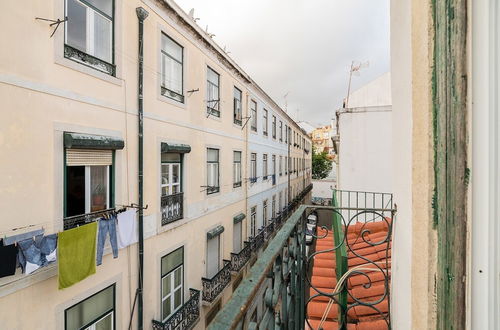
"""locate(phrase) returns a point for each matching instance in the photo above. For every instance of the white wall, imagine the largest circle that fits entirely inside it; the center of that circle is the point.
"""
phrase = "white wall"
(365, 158)
(401, 64)
(323, 188)
(375, 93)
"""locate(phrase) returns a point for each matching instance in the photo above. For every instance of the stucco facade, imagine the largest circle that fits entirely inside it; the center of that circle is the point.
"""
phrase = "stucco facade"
(49, 95)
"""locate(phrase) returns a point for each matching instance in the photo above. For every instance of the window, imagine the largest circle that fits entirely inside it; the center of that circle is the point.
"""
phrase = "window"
(281, 131)
(286, 133)
(273, 207)
(274, 164)
(170, 173)
(253, 220)
(95, 312)
(280, 204)
(213, 79)
(236, 169)
(88, 181)
(253, 167)
(213, 256)
(264, 212)
(264, 166)
(281, 165)
(237, 237)
(237, 112)
(172, 283)
(172, 61)
(212, 171)
(89, 34)
(274, 127)
(264, 122)
(253, 109)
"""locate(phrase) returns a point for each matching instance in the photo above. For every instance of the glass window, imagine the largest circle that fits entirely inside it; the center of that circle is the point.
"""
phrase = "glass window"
(274, 164)
(89, 33)
(264, 166)
(264, 122)
(253, 166)
(172, 283)
(171, 172)
(236, 168)
(264, 212)
(274, 127)
(273, 207)
(237, 111)
(213, 80)
(95, 312)
(281, 131)
(253, 220)
(253, 109)
(286, 134)
(172, 61)
(281, 165)
(212, 170)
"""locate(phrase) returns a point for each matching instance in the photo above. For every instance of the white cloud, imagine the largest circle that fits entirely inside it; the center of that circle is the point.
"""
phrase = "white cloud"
(304, 47)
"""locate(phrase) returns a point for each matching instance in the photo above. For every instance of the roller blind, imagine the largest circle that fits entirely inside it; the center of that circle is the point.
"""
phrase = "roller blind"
(88, 157)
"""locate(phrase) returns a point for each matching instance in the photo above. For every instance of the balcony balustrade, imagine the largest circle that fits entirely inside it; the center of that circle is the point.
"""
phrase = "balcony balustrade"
(185, 317)
(238, 260)
(212, 287)
(171, 208)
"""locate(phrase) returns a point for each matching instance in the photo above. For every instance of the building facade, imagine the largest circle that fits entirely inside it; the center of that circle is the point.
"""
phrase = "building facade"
(71, 148)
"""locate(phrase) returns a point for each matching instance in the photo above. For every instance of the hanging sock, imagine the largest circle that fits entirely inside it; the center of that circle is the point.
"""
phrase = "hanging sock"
(76, 254)
(106, 226)
(126, 228)
(7, 259)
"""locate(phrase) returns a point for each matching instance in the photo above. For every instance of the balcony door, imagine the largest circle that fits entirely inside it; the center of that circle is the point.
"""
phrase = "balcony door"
(171, 187)
(172, 283)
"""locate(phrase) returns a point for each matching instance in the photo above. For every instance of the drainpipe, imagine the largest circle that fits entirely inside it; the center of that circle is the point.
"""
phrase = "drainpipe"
(141, 15)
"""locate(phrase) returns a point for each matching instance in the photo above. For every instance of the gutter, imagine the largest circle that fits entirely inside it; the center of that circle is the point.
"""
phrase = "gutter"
(142, 14)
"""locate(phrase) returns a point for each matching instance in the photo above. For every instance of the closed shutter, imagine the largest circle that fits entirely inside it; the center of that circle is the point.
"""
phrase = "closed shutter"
(237, 237)
(213, 256)
(88, 157)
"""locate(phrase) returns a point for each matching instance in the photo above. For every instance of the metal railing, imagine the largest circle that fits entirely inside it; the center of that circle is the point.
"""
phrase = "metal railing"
(352, 199)
(239, 260)
(82, 219)
(185, 317)
(172, 207)
(212, 287)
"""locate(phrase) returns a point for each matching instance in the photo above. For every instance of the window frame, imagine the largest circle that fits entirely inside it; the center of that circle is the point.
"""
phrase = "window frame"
(253, 166)
(163, 90)
(236, 121)
(211, 111)
(253, 115)
(281, 131)
(214, 189)
(253, 221)
(173, 291)
(265, 167)
(237, 183)
(101, 316)
(265, 203)
(83, 57)
(181, 168)
(274, 127)
(265, 122)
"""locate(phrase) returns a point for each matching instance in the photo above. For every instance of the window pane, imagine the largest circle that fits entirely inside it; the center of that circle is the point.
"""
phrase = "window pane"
(172, 261)
(213, 77)
(177, 277)
(106, 323)
(166, 308)
(175, 173)
(177, 298)
(213, 155)
(76, 25)
(165, 286)
(90, 309)
(172, 74)
(171, 48)
(98, 188)
(75, 190)
(171, 157)
(237, 156)
(102, 38)
(106, 6)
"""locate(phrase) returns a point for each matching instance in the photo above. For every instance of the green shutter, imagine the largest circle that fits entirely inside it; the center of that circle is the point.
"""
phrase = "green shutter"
(172, 147)
(239, 218)
(90, 141)
(215, 232)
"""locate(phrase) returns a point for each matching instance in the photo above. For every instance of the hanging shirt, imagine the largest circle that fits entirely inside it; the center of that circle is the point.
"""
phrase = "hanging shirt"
(127, 228)
(8, 255)
(76, 254)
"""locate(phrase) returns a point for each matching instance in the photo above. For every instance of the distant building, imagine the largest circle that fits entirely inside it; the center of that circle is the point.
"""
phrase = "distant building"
(322, 140)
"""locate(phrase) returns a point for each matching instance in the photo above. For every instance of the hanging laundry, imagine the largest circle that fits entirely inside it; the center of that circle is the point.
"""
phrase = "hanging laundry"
(126, 228)
(76, 254)
(36, 252)
(106, 226)
(7, 259)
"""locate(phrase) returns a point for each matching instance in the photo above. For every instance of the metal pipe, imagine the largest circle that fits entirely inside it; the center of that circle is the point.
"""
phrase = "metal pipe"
(141, 15)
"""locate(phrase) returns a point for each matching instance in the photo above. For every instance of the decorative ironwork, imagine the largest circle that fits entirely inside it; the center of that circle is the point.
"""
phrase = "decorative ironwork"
(238, 260)
(258, 240)
(269, 230)
(82, 219)
(89, 60)
(172, 208)
(212, 287)
(185, 317)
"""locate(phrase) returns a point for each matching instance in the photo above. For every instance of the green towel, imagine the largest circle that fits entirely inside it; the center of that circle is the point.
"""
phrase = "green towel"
(76, 254)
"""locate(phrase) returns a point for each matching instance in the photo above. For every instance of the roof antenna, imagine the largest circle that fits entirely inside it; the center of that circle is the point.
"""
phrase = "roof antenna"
(191, 15)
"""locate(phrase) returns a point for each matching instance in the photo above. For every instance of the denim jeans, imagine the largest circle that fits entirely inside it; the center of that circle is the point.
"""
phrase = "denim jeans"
(37, 252)
(106, 226)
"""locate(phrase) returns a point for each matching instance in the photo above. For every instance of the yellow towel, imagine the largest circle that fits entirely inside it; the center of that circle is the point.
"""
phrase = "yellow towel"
(76, 250)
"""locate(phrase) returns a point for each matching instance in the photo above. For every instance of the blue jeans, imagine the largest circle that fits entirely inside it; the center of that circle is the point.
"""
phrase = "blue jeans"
(37, 252)
(106, 226)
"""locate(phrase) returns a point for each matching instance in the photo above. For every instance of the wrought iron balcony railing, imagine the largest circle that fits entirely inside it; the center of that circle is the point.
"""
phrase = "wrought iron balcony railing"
(258, 240)
(212, 287)
(185, 317)
(238, 260)
(172, 208)
(82, 219)
(269, 230)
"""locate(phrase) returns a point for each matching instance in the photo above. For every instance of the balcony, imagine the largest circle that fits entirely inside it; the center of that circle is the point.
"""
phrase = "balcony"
(238, 260)
(185, 317)
(296, 299)
(171, 208)
(213, 287)
(258, 240)
(268, 230)
(82, 219)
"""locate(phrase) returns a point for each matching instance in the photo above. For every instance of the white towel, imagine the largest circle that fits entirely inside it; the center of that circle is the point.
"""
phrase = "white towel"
(126, 228)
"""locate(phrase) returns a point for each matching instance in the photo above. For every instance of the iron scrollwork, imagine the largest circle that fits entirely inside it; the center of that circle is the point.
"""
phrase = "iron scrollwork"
(212, 287)
(185, 317)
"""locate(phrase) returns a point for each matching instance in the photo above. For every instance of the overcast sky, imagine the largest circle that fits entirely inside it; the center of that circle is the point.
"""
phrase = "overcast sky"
(303, 47)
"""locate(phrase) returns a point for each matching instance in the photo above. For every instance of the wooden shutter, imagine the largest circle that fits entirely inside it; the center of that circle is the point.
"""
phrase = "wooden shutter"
(88, 157)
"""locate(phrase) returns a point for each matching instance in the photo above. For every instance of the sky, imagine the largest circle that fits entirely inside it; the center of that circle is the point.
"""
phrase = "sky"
(301, 47)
